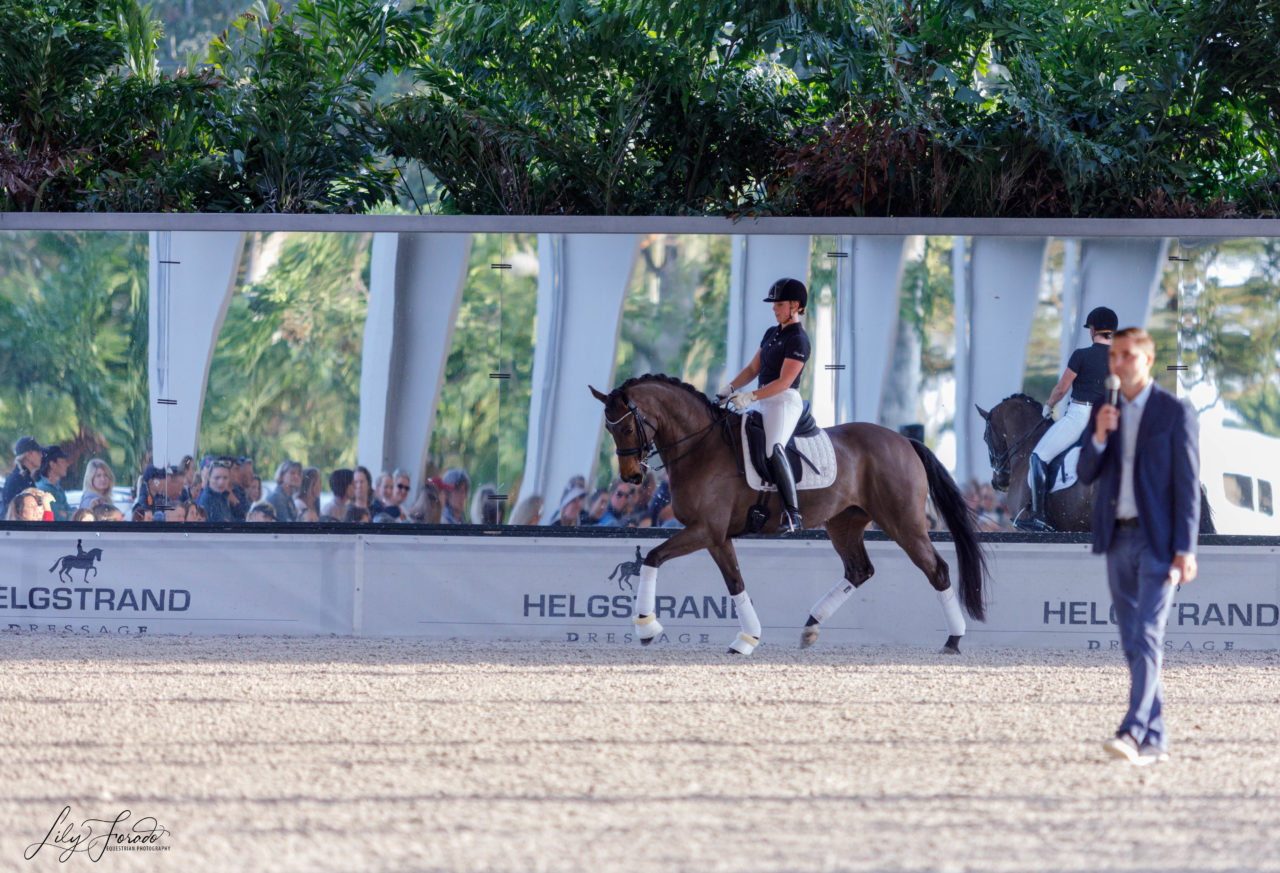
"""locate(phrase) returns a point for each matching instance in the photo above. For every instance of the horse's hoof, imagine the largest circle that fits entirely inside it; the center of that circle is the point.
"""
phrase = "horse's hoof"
(809, 636)
(743, 644)
(951, 646)
(648, 628)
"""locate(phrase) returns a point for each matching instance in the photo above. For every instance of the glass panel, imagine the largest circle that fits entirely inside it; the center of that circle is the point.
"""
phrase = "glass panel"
(1265, 506)
(1239, 490)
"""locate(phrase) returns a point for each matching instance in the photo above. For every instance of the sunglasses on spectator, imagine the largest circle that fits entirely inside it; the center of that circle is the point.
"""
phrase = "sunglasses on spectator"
(621, 493)
(401, 487)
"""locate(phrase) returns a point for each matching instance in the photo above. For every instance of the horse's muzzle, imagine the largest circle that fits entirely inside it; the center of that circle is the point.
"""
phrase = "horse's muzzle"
(634, 478)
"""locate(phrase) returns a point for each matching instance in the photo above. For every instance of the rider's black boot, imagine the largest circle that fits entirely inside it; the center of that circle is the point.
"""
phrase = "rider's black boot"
(1039, 493)
(783, 478)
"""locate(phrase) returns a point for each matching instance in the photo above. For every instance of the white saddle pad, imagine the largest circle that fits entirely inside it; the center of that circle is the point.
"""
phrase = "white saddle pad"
(817, 448)
(1067, 473)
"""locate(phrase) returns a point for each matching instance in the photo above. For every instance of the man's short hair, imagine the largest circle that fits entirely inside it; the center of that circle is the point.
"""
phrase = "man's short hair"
(1140, 338)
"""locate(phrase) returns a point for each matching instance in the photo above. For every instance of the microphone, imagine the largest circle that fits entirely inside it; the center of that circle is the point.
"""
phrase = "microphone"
(1112, 384)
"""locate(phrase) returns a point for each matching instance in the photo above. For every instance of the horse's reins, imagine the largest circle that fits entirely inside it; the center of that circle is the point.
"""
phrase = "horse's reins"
(649, 448)
(1000, 462)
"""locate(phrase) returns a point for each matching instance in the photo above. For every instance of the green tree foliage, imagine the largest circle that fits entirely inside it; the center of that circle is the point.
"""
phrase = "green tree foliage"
(73, 344)
(291, 122)
(285, 377)
(602, 107)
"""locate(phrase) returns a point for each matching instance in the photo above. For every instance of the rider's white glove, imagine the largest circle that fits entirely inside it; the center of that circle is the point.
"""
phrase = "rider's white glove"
(1048, 411)
(742, 399)
(726, 392)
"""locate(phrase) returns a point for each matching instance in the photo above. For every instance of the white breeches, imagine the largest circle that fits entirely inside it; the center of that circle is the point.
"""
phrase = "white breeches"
(780, 412)
(1064, 433)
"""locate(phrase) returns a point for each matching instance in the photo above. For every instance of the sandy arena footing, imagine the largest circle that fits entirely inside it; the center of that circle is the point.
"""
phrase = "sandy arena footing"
(344, 754)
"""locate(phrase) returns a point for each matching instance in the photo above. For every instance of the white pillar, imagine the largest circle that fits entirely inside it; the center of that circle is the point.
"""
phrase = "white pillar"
(415, 286)
(1004, 282)
(191, 275)
(582, 280)
(1123, 274)
(868, 317)
(756, 263)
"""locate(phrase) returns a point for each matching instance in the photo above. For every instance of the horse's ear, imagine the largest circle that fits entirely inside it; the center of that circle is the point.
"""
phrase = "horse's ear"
(983, 413)
(603, 398)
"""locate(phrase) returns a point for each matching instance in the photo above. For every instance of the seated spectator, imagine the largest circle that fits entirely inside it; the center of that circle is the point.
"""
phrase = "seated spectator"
(328, 519)
(991, 514)
(428, 508)
(98, 484)
(26, 464)
(362, 487)
(456, 485)
(403, 488)
(384, 497)
(253, 490)
(356, 515)
(84, 513)
(216, 499)
(196, 513)
(104, 511)
(527, 511)
(570, 512)
(53, 466)
(262, 512)
(383, 518)
(141, 512)
(638, 516)
(484, 508)
(660, 512)
(308, 494)
(620, 499)
(29, 505)
(308, 515)
(177, 512)
(597, 506)
(288, 481)
(340, 483)
(237, 497)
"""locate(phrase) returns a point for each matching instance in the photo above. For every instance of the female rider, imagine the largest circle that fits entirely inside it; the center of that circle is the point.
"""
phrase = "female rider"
(1087, 369)
(779, 363)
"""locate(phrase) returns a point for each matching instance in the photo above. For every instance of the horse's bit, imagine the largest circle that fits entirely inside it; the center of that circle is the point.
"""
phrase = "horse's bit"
(1000, 462)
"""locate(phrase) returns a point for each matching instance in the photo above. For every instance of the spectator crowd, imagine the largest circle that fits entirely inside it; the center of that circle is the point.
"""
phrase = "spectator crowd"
(228, 489)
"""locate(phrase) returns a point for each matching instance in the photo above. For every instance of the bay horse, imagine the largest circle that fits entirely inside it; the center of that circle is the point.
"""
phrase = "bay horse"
(882, 477)
(1014, 426)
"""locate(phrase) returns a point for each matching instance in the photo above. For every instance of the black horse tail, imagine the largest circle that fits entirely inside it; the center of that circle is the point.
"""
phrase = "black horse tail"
(956, 513)
(55, 563)
(1206, 514)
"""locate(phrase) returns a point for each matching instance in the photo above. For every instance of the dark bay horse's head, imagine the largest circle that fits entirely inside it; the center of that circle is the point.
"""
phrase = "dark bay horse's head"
(1010, 426)
(624, 420)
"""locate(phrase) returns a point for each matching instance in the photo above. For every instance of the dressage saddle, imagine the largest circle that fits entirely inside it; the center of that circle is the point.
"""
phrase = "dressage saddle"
(760, 452)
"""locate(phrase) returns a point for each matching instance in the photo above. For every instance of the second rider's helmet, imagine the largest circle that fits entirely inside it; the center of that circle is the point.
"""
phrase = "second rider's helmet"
(788, 289)
(1102, 318)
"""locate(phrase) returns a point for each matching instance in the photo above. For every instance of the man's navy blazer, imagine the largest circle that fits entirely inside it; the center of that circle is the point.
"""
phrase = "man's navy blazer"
(1166, 476)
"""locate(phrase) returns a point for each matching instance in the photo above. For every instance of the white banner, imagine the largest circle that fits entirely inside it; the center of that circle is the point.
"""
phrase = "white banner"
(579, 590)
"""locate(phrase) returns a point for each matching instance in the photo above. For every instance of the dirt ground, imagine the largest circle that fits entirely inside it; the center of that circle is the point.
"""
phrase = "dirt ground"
(342, 754)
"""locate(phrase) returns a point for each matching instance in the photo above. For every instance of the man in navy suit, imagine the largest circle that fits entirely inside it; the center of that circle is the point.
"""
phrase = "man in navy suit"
(1145, 457)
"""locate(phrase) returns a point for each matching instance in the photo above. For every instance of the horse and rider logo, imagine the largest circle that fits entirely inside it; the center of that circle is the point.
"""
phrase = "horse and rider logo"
(81, 560)
(628, 569)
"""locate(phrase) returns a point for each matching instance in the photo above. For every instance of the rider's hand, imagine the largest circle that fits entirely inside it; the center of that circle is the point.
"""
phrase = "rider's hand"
(726, 392)
(742, 399)
(1047, 411)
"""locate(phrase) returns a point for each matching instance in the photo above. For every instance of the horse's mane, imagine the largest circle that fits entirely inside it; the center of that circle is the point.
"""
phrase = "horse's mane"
(663, 379)
(1022, 398)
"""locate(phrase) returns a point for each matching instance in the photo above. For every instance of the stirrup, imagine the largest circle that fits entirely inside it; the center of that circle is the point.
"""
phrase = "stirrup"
(1034, 524)
(790, 521)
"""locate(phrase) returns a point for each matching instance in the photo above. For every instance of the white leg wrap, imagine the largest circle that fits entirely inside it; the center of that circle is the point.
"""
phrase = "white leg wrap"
(951, 609)
(647, 592)
(747, 617)
(831, 601)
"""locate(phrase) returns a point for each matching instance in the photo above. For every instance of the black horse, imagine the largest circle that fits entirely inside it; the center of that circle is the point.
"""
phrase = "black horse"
(83, 561)
(1014, 426)
(627, 569)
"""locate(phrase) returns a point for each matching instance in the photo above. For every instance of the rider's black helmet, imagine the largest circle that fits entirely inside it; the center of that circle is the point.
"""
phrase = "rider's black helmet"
(788, 289)
(1101, 319)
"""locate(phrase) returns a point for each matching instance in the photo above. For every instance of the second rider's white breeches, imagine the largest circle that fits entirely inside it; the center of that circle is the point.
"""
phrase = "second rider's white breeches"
(780, 412)
(1063, 434)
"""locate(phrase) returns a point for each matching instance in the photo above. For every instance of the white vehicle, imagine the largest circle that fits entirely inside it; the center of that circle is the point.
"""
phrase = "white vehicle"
(1240, 470)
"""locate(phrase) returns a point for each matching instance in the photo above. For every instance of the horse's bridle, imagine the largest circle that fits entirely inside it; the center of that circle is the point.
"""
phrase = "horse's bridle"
(1000, 462)
(648, 447)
